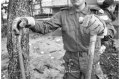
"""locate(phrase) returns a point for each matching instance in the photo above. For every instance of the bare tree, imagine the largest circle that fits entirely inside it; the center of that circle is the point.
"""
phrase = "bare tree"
(18, 8)
(41, 8)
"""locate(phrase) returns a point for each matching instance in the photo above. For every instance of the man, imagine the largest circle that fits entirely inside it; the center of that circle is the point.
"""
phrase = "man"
(77, 24)
(109, 7)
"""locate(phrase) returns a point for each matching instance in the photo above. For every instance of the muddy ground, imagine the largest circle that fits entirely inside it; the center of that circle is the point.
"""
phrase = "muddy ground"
(46, 54)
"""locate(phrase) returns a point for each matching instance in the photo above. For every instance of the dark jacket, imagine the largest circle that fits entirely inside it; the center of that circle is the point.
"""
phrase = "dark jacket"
(68, 20)
(110, 14)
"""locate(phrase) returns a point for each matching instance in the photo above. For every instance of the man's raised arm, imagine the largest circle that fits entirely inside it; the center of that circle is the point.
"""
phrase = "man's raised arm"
(38, 26)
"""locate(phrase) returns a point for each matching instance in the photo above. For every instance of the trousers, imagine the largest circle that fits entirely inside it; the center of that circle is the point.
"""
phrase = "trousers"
(76, 65)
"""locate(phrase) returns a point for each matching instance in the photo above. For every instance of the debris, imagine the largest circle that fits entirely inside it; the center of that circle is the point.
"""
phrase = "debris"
(58, 40)
(30, 44)
(52, 57)
(42, 52)
(49, 54)
(41, 72)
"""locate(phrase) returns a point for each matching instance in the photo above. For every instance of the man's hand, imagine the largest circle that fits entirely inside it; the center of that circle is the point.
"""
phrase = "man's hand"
(22, 22)
(94, 25)
(19, 23)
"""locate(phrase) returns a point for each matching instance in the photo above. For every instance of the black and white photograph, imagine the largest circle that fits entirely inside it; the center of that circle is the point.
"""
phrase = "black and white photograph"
(59, 39)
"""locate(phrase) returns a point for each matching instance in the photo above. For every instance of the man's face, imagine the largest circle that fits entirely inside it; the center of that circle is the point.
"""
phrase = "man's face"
(77, 2)
(112, 8)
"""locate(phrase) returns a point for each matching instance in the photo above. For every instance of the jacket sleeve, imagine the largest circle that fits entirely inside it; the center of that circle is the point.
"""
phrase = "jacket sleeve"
(47, 26)
(110, 33)
(111, 30)
(108, 39)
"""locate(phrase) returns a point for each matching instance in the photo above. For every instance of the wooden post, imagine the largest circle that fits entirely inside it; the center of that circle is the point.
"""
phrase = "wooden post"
(18, 8)
(91, 55)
